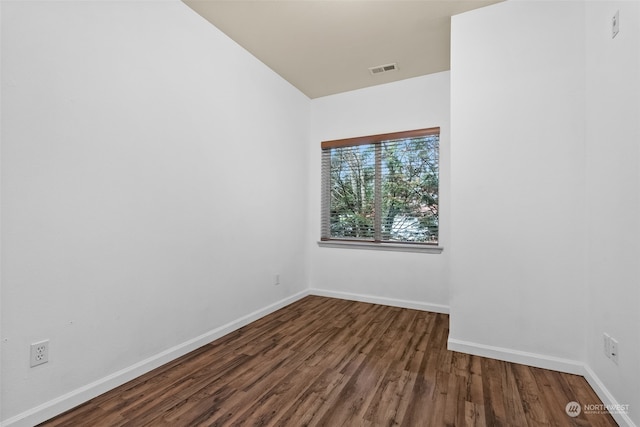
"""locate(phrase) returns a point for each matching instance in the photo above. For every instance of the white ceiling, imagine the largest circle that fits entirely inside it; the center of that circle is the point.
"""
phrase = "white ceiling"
(324, 47)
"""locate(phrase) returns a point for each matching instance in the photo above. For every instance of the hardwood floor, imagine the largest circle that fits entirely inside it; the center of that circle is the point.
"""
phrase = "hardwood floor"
(330, 362)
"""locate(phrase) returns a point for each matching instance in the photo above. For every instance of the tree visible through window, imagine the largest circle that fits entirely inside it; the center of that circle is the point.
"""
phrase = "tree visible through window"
(382, 188)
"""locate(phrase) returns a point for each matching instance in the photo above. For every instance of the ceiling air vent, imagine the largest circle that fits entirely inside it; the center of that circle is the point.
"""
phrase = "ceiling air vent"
(383, 68)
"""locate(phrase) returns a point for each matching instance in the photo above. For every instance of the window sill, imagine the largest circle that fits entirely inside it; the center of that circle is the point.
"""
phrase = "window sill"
(394, 247)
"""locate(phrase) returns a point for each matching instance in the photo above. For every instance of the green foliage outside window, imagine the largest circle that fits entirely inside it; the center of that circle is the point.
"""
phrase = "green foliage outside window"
(400, 176)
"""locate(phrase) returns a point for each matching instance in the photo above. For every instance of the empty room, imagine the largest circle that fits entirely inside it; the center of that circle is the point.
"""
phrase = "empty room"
(332, 213)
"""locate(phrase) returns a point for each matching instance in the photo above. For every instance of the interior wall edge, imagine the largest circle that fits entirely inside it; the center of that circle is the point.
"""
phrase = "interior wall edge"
(83, 394)
(607, 398)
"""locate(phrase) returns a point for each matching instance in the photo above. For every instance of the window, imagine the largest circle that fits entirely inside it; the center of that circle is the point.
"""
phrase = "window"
(381, 188)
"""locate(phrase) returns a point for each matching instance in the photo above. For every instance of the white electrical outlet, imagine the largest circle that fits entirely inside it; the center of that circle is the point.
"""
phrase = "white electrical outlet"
(606, 344)
(611, 349)
(614, 350)
(39, 353)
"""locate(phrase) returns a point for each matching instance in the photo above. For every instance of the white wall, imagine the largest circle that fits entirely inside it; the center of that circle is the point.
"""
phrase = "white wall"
(518, 222)
(546, 189)
(613, 196)
(389, 277)
(153, 185)
(129, 225)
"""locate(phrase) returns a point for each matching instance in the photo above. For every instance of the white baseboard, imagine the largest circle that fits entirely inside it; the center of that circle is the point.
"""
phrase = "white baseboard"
(424, 306)
(516, 356)
(76, 397)
(545, 362)
(622, 418)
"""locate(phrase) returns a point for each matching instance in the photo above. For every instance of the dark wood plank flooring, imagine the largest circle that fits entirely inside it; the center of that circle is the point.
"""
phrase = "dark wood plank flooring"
(330, 362)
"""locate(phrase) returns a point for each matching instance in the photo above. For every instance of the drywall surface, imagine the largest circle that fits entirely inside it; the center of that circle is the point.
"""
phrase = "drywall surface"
(517, 189)
(419, 278)
(613, 196)
(153, 186)
(546, 189)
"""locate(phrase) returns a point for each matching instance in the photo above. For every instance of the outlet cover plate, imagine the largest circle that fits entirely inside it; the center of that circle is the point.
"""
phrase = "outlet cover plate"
(606, 344)
(39, 353)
